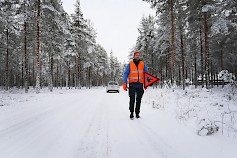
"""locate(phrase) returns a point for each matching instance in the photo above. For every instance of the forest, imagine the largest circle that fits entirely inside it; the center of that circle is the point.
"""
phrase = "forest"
(191, 42)
(187, 42)
(44, 46)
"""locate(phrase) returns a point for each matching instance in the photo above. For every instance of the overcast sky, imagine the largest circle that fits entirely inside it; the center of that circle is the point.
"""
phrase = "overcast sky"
(115, 21)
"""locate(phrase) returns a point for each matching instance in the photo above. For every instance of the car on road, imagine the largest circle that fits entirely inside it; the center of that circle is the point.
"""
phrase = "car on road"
(113, 86)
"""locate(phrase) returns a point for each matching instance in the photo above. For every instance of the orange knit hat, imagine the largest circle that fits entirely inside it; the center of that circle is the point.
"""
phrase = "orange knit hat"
(136, 53)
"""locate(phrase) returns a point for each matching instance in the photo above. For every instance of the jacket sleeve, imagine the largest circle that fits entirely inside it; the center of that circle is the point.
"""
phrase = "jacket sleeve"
(145, 68)
(126, 73)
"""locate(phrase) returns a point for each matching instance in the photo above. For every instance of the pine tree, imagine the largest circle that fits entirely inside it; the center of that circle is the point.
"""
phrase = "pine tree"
(144, 41)
(38, 47)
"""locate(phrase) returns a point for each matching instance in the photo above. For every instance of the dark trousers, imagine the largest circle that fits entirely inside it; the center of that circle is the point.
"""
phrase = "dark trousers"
(135, 93)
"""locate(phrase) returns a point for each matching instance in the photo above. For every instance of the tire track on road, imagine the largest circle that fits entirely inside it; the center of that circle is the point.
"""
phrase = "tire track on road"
(159, 146)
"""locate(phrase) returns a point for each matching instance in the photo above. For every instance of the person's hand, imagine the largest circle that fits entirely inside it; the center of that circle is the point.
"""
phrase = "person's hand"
(125, 86)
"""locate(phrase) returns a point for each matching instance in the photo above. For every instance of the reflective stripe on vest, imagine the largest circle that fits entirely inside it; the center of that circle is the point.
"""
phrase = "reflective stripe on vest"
(136, 73)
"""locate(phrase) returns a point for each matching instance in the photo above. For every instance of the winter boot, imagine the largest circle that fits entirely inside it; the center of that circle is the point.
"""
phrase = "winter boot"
(137, 116)
(131, 115)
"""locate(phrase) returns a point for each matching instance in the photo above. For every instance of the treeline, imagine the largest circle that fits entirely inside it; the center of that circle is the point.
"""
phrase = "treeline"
(41, 45)
(190, 41)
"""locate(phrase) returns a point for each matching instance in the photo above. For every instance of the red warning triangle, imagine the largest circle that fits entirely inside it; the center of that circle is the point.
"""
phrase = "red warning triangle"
(151, 78)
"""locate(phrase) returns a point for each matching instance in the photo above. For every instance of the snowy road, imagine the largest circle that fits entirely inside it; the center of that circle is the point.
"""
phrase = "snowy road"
(95, 124)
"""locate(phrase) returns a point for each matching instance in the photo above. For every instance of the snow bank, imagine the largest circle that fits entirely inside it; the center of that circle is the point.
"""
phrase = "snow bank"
(210, 111)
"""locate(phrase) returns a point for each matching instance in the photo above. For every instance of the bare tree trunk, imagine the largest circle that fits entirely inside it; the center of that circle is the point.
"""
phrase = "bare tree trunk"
(69, 76)
(172, 42)
(61, 75)
(186, 70)
(78, 72)
(89, 77)
(179, 83)
(7, 64)
(81, 74)
(33, 75)
(22, 73)
(11, 78)
(67, 80)
(206, 51)
(182, 52)
(161, 71)
(51, 72)
(26, 62)
(212, 73)
(195, 70)
(1, 78)
(75, 78)
(38, 50)
(202, 57)
(167, 66)
(56, 78)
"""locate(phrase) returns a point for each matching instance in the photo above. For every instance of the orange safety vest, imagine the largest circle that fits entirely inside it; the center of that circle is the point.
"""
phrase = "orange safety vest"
(136, 73)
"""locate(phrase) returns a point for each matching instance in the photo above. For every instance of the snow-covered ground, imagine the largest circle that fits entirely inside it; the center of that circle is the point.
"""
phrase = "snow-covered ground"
(91, 123)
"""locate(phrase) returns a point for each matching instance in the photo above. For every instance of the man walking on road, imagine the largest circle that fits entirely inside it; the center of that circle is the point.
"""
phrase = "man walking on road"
(134, 74)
